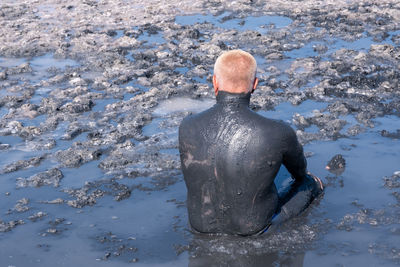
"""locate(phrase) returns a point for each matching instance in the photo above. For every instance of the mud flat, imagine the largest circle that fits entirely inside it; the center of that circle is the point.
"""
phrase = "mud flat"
(92, 93)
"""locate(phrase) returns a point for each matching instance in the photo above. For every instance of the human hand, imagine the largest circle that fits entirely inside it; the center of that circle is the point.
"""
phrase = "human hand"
(317, 181)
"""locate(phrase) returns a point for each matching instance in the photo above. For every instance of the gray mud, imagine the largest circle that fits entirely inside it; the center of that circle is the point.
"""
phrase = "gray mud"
(92, 93)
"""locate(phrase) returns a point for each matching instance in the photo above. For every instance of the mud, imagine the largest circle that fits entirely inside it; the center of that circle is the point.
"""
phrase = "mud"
(92, 93)
(336, 165)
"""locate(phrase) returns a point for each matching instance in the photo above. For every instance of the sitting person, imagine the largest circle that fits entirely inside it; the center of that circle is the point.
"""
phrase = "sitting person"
(230, 156)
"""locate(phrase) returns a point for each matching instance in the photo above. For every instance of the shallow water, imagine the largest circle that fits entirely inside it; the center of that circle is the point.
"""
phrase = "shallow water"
(362, 44)
(285, 111)
(182, 104)
(151, 224)
(230, 21)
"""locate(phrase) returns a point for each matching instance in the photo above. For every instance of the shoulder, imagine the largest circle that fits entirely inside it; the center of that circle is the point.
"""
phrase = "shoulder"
(193, 121)
(286, 131)
(279, 131)
(185, 121)
(278, 126)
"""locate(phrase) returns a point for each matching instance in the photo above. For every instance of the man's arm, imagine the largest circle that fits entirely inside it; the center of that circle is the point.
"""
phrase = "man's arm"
(293, 156)
(305, 186)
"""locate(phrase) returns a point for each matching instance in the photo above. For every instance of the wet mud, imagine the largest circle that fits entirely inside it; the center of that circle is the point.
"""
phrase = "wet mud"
(92, 94)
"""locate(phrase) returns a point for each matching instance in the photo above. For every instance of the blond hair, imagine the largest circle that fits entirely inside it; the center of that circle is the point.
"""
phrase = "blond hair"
(235, 71)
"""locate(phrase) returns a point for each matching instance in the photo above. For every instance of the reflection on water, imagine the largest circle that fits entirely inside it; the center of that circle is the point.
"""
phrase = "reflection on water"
(231, 253)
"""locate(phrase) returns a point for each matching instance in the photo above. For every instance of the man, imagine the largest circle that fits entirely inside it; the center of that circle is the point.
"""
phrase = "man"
(230, 156)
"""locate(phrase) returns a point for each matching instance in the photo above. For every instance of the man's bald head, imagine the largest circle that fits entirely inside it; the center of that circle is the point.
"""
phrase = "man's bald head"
(235, 72)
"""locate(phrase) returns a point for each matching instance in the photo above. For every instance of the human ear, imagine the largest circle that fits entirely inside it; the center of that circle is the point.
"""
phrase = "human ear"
(255, 83)
(215, 85)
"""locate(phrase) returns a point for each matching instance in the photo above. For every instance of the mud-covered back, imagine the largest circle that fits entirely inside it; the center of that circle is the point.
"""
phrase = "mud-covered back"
(230, 156)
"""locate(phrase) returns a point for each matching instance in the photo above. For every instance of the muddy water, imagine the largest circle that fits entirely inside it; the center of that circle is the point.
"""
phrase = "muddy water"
(108, 121)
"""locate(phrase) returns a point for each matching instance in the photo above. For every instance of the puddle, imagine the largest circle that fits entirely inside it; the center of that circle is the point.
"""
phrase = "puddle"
(153, 127)
(100, 105)
(389, 123)
(285, 110)
(119, 34)
(46, 11)
(77, 177)
(362, 44)
(40, 70)
(11, 62)
(3, 112)
(41, 64)
(10, 139)
(40, 93)
(33, 122)
(174, 107)
(306, 51)
(135, 84)
(128, 96)
(229, 21)
(170, 151)
(182, 104)
(312, 129)
(8, 180)
(152, 38)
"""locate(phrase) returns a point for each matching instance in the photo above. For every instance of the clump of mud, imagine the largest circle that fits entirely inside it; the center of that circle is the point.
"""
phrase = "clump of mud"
(393, 182)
